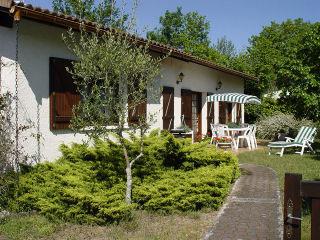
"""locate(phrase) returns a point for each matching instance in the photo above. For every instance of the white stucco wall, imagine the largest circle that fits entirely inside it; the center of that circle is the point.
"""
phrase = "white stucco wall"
(38, 42)
(196, 78)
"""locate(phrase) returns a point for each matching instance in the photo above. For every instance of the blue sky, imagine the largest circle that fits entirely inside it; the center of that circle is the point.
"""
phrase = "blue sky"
(235, 19)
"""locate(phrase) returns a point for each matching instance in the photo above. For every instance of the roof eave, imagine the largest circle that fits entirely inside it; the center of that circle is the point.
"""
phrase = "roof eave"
(65, 21)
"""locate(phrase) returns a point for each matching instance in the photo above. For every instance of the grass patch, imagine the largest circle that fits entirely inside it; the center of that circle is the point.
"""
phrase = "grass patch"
(27, 227)
(307, 165)
(144, 225)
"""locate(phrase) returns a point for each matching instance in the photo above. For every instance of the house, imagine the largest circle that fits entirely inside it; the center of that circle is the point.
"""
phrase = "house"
(31, 37)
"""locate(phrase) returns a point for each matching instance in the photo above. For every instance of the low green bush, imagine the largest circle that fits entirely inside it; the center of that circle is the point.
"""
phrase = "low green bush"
(87, 184)
(8, 184)
(179, 190)
(201, 154)
(70, 191)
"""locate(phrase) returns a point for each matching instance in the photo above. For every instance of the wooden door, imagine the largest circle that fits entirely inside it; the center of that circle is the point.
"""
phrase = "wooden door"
(168, 107)
(196, 115)
(225, 112)
(186, 106)
(191, 110)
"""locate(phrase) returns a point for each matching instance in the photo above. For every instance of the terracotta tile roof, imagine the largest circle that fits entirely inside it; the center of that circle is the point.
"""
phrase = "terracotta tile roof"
(54, 18)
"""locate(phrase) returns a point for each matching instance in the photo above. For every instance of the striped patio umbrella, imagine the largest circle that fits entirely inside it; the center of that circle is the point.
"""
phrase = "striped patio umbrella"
(234, 97)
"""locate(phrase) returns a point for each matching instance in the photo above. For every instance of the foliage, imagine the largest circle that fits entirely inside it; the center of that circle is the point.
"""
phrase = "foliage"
(268, 107)
(8, 178)
(285, 58)
(179, 190)
(71, 191)
(86, 185)
(200, 155)
(268, 127)
(6, 133)
(225, 47)
(188, 32)
(105, 12)
(185, 31)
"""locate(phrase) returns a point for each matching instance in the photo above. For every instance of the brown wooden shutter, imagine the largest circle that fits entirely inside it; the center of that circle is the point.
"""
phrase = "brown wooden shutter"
(137, 112)
(186, 106)
(210, 112)
(63, 94)
(168, 107)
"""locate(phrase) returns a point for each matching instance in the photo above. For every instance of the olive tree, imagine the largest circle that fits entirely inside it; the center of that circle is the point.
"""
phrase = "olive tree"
(113, 74)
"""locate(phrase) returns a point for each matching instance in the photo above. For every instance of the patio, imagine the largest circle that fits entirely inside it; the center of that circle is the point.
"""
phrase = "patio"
(235, 133)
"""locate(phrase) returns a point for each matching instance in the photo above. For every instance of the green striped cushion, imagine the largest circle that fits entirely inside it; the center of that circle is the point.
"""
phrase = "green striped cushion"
(305, 133)
(284, 144)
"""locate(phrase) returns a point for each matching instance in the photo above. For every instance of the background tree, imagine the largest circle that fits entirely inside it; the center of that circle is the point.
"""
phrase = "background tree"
(113, 75)
(185, 31)
(105, 12)
(285, 58)
(190, 32)
(225, 47)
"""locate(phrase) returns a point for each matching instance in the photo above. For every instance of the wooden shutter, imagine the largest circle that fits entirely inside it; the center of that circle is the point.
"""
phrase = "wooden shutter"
(63, 94)
(137, 112)
(168, 107)
(186, 106)
(210, 112)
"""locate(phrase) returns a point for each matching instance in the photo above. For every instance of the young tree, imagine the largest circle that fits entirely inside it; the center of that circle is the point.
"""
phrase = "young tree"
(113, 74)
(105, 12)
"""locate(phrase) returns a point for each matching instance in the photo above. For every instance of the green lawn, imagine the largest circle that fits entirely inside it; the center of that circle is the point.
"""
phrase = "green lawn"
(308, 165)
(184, 226)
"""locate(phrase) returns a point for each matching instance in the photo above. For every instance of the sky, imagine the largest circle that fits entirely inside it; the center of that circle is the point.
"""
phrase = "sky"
(238, 20)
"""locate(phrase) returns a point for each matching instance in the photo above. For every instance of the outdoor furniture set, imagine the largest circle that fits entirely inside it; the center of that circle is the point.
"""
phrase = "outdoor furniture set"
(234, 137)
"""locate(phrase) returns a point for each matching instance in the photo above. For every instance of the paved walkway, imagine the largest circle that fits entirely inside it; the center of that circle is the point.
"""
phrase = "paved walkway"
(252, 211)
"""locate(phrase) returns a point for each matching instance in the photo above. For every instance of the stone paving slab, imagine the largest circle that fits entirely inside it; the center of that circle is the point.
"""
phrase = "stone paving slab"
(253, 209)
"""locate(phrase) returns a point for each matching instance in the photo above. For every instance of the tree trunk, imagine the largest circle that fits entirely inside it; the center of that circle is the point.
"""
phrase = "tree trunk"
(129, 184)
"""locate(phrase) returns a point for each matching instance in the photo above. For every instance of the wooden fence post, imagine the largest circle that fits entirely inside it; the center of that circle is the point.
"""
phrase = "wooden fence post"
(315, 219)
(292, 207)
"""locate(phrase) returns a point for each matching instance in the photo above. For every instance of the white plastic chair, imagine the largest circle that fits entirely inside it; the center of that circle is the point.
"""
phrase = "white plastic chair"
(246, 136)
(253, 138)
